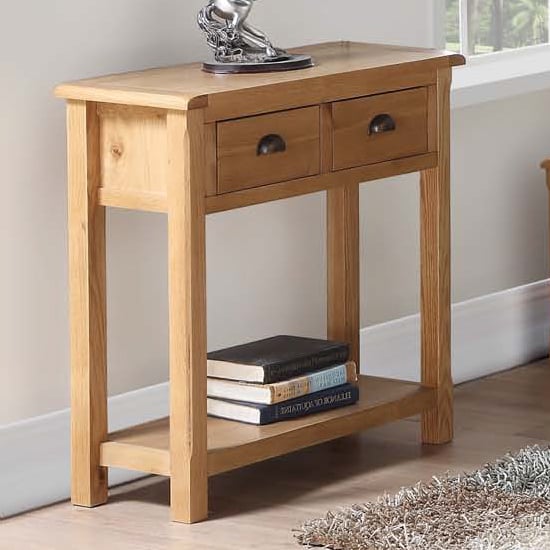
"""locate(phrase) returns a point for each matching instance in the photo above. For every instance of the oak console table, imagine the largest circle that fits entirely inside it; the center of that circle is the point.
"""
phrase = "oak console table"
(187, 143)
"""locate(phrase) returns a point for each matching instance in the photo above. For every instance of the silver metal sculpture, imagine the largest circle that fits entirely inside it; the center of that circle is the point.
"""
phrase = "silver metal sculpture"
(238, 46)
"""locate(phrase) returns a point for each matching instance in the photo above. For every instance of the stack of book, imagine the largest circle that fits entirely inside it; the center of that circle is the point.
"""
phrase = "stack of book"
(280, 378)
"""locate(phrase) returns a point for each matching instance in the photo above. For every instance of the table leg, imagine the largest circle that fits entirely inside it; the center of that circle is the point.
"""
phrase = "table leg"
(343, 266)
(437, 424)
(187, 304)
(87, 307)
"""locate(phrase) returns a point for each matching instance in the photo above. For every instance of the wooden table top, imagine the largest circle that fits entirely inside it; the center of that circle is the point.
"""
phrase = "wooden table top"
(184, 87)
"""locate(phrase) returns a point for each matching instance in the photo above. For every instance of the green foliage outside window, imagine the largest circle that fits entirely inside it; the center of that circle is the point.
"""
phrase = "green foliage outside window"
(496, 25)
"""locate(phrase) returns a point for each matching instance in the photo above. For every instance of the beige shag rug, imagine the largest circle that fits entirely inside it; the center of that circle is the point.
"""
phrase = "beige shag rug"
(503, 506)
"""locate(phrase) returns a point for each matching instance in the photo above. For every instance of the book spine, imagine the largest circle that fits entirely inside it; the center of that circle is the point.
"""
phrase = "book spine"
(283, 371)
(315, 382)
(310, 404)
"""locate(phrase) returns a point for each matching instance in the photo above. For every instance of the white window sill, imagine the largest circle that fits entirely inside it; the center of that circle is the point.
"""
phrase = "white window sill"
(501, 76)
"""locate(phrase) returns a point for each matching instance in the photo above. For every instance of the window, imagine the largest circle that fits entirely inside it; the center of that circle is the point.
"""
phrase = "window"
(475, 27)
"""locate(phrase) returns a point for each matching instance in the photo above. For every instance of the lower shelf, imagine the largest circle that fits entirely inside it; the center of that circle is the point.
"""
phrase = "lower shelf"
(232, 445)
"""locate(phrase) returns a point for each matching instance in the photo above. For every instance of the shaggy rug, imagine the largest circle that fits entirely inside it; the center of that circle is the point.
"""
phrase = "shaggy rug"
(503, 506)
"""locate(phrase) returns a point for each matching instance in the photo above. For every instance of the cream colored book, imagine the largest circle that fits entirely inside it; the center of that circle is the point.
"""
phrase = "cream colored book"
(278, 392)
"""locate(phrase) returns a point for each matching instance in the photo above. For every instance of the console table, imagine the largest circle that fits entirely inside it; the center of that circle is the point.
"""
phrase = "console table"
(186, 143)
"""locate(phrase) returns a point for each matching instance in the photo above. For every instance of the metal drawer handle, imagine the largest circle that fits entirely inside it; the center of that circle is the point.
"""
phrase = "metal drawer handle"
(381, 124)
(272, 143)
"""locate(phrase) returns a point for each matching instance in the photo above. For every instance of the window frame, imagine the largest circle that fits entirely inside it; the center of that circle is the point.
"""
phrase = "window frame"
(496, 75)
(534, 49)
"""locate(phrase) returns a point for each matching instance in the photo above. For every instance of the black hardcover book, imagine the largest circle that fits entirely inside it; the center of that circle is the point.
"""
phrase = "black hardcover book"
(275, 359)
(253, 413)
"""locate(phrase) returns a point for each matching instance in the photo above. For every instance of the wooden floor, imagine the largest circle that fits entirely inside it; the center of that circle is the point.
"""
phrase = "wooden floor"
(257, 507)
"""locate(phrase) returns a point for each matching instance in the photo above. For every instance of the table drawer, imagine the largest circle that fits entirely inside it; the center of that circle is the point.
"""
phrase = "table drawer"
(379, 128)
(266, 149)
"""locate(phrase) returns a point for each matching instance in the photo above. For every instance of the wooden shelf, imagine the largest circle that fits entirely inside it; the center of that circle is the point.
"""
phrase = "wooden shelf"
(232, 445)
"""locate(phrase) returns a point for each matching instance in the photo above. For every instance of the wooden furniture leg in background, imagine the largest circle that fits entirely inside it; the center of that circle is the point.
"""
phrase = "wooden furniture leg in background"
(437, 424)
(87, 307)
(343, 266)
(187, 304)
(545, 165)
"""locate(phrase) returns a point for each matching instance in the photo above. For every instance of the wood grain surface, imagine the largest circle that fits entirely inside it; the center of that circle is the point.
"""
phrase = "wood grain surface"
(354, 145)
(87, 283)
(187, 315)
(339, 72)
(239, 164)
(435, 258)
(233, 445)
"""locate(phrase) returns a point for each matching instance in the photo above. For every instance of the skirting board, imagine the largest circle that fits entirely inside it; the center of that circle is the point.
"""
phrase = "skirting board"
(35, 454)
(490, 334)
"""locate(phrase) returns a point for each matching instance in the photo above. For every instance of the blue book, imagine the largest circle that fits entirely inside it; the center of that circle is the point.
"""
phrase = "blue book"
(253, 413)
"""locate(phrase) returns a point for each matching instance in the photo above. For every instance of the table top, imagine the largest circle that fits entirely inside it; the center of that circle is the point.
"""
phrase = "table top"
(186, 87)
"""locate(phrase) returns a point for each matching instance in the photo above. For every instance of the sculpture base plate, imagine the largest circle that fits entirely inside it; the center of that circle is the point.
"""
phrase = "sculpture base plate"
(293, 63)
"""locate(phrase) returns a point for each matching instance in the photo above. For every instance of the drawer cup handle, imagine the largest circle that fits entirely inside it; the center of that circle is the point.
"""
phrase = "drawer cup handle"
(381, 124)
(272, 143)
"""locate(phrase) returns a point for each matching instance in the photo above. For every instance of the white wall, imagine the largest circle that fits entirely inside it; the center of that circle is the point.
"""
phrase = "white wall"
(266, 263)
(499, 192)
(499, 211)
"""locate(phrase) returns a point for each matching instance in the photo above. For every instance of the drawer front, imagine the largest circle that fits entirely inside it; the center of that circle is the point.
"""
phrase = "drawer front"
(379, 128)
(266, 149)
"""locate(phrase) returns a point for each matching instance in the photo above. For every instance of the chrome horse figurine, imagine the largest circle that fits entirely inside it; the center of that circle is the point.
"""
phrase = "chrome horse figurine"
(238, 46)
